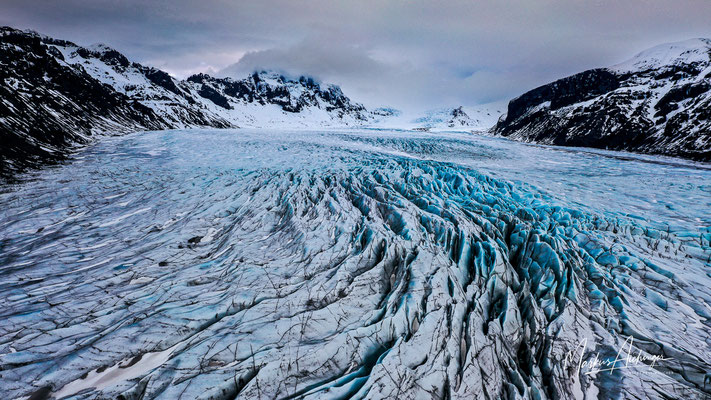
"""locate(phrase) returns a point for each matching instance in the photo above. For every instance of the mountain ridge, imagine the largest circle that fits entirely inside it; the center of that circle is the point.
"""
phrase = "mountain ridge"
(56, 95)
(657, 102)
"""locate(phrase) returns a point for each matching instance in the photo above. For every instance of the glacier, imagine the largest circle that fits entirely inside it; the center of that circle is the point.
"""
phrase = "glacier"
(354, 263)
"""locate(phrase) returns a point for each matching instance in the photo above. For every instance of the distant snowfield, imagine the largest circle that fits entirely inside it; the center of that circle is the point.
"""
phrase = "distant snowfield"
(264, 263)
(477, 118)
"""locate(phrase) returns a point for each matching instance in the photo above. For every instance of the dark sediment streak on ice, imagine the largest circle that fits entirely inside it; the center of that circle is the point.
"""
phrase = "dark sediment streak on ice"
(392, 278)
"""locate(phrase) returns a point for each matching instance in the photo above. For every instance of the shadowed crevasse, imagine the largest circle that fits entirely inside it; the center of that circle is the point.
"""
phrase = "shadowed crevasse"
(386, 278)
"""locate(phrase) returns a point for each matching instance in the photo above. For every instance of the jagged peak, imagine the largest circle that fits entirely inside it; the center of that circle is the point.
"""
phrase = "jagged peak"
(278, 77)
(273, 78)
(105, 53)
(29, 33)
(459, 112)
(201, 77)
(7, 30)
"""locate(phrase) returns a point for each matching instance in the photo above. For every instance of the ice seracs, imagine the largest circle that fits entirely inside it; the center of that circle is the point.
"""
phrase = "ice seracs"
(321, 265)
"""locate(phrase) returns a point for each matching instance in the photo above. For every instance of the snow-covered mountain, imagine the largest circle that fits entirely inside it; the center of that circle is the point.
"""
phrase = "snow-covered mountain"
(46, 106)
(468, 118)
(462, 118)
(658, 102)
(55, 94)
(262, 99)
(267, 98)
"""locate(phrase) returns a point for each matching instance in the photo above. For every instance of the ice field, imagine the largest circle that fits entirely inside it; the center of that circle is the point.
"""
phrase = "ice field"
(221, 264)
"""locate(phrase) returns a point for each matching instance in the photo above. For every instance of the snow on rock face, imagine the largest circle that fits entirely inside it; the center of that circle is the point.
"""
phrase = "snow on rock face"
(202, 100)
(688, 52)
(658, 102)
(292, 96)
(55, 95)
(470, 118)
(148, 86)
(327, 268)
(447, 118)
(46, 107)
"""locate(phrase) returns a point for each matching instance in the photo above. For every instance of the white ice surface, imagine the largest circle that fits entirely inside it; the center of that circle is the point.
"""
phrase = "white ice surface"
(378, 264)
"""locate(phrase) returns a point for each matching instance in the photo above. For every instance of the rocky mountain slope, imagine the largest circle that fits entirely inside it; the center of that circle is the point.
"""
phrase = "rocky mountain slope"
(46, 107)
(55, 94)
(658, 102)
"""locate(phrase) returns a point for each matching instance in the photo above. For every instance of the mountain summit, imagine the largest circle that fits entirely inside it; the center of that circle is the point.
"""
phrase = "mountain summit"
(55, 94)
(658, 102)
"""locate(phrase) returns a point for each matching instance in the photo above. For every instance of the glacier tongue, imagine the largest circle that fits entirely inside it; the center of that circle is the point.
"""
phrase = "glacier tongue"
(195, 265)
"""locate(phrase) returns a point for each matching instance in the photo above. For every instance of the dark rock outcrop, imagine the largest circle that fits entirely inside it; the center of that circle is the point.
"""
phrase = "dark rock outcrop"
(291, 95)
(56, 95)
(656, 103)
(47, 108)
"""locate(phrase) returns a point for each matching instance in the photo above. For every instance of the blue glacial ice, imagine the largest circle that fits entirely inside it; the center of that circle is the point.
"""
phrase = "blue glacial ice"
(353, 264)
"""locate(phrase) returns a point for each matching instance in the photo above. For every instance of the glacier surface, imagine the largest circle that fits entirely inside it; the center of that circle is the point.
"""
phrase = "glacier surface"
(219, 264)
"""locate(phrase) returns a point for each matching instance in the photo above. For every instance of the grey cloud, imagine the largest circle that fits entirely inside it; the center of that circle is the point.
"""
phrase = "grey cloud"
(361, 74)
(404, 53)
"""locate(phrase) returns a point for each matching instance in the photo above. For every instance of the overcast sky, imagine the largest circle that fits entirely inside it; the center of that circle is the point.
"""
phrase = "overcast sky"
(408, 54)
